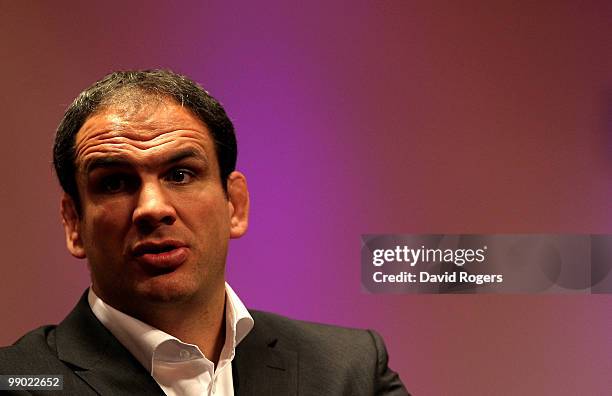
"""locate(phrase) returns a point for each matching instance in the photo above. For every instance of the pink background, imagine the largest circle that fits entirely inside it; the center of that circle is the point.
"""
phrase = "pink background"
(353, 118)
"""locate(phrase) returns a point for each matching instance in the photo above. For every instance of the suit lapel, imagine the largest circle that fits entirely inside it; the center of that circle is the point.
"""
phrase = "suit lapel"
(260, 367)
(98, 358)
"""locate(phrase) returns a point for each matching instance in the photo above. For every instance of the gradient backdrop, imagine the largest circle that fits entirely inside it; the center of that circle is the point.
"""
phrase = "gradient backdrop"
(352, 117)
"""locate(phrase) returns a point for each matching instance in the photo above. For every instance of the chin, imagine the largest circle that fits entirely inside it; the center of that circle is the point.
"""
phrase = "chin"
(166, 290)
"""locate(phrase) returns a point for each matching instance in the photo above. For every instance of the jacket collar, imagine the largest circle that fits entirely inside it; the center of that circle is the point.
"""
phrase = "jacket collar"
(261, 366)
(98, 358)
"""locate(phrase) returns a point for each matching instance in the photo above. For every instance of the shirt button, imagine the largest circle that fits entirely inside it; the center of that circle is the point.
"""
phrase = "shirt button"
(184, 354)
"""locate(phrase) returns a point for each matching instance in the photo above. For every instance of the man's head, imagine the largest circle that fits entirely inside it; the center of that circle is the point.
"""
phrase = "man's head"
(146, 160)
(137, 88)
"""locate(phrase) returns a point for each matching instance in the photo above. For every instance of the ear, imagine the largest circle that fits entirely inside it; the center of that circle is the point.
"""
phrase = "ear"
(72, 228)
(238, 202)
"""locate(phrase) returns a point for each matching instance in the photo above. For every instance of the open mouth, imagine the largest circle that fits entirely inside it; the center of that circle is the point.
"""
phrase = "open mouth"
(155, 249)
(163, 255)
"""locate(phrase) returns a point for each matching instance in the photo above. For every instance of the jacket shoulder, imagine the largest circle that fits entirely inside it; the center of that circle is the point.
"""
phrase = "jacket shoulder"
(337, 357)
(307, 335)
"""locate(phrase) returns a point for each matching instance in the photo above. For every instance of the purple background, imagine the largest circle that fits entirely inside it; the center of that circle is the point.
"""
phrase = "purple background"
(353, 118)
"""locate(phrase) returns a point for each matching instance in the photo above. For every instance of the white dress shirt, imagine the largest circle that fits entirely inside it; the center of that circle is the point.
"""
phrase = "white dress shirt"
(179, 368)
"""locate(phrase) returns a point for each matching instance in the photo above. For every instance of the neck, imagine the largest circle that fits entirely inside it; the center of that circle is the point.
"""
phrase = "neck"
(204, 328)
(201, 323)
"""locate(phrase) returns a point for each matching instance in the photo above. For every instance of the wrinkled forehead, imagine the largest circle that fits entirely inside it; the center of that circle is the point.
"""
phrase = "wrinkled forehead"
(140, 125)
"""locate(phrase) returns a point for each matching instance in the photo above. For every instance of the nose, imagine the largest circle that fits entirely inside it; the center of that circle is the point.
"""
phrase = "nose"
(153, 208)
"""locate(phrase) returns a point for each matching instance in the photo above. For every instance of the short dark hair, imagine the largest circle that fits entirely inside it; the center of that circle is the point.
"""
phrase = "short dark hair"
(150, 84)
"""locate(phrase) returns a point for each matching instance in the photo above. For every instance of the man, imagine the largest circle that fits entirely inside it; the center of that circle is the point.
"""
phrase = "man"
(147, 163)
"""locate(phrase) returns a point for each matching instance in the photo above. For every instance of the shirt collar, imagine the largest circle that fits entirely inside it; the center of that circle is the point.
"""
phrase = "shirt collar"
(142, 340)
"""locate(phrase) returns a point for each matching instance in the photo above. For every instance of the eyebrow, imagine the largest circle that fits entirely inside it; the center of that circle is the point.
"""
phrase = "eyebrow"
(120, 161)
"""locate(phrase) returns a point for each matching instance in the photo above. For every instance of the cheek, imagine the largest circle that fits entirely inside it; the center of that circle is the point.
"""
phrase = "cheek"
(207, 215)
(105, 223)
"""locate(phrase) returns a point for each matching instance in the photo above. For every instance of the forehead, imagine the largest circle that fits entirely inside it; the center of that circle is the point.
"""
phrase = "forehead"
(141, 131)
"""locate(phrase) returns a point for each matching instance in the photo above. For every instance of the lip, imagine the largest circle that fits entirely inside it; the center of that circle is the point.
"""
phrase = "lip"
(167, 254)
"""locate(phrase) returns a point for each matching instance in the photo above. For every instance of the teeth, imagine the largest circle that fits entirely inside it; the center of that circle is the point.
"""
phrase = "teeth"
(159, 249)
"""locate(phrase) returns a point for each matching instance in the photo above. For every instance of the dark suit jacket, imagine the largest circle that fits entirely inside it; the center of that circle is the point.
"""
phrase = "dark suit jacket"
(279, 356)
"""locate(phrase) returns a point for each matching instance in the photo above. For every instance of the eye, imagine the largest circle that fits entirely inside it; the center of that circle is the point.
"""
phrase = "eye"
(179, 176)
(113, 184)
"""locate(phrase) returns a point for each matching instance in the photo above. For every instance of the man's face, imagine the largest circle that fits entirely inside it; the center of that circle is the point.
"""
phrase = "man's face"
(155, 220)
